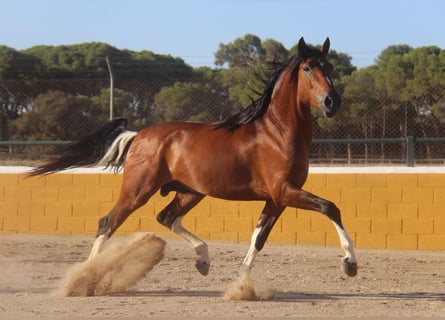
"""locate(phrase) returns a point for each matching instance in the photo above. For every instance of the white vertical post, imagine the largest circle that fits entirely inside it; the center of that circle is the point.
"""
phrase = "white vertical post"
(110, 70)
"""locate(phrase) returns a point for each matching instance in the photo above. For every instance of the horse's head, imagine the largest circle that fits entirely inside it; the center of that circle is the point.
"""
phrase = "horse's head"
(314, 78)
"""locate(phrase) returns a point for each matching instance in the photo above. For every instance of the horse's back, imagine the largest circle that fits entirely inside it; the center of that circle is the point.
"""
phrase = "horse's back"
(210, 160)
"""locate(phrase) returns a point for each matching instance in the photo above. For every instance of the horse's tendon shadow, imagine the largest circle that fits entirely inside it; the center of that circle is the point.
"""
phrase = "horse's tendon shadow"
(173, 293)
(295, 296)
(300, 296)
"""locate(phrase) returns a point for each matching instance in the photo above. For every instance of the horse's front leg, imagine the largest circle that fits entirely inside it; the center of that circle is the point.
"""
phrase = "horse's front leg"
(267, 220)
(304, 200)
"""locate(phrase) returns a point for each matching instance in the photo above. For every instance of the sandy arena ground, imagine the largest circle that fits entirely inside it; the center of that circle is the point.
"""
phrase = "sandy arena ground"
(307, 282)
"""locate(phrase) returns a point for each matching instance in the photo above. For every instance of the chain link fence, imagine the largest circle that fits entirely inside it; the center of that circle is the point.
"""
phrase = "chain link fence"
(38, 116)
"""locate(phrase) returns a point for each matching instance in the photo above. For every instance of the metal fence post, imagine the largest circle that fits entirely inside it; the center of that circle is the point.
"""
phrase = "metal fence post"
(110, 70)
(410, 142)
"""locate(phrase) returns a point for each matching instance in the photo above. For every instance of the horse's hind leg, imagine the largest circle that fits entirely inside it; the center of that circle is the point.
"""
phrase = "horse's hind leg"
(128, 202)
(171, 217)
(97, 246)
(109, 224)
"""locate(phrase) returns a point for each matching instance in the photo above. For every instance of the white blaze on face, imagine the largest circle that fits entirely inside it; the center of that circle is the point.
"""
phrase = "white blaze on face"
(325, 76)
(328, 80)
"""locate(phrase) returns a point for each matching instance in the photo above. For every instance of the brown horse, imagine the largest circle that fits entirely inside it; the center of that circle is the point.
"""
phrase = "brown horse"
(259, 154)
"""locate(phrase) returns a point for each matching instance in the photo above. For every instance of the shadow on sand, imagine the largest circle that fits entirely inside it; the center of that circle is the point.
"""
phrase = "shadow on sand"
(296, 296)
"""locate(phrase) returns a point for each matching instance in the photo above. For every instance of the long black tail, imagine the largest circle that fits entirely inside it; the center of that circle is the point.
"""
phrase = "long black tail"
(107, 146)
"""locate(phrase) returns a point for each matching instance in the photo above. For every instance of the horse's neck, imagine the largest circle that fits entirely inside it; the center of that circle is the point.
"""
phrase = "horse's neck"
(290, 116)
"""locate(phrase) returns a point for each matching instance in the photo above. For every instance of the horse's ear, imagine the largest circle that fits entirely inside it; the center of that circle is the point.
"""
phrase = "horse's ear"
(326, 45)
(302, 48)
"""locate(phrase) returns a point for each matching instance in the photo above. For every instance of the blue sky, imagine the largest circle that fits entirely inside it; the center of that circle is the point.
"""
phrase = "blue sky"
(193, 29)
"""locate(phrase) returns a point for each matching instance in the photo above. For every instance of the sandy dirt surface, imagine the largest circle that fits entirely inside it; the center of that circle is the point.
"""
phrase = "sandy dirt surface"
(307, 282)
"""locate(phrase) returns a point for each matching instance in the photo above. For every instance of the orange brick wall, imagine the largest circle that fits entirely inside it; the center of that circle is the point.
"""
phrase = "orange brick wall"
(380, 210)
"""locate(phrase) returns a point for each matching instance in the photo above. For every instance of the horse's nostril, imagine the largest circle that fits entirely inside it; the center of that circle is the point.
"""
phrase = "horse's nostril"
(328, 102)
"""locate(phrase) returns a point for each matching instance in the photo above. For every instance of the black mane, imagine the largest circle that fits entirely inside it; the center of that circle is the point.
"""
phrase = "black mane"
(258, 107)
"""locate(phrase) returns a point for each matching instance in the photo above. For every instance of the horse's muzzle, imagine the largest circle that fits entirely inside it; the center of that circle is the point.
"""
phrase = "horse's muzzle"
(331, 104)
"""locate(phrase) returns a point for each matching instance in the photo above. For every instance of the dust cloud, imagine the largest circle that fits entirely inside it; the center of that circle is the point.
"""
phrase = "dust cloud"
(119, 266)
(243, 289)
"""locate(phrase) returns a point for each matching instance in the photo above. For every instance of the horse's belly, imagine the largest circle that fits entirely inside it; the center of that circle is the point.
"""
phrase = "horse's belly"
(238, 193)
(230, 182)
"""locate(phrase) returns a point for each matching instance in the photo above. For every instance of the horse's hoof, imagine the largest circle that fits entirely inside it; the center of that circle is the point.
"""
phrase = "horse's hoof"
(349, 268)
(202, 267)
(91, 291)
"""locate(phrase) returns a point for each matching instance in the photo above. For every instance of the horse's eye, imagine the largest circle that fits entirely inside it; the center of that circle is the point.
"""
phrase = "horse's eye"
(306, 68)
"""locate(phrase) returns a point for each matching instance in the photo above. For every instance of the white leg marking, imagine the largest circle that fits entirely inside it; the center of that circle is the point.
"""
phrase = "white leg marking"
(346, 243)
(97, 246)
(251, 254)
(201, 248)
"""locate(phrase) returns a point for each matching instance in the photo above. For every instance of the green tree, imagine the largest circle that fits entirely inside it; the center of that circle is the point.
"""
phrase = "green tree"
(81, 69)
(412, 82)
(86, 60)
(390, 81)
(274, 51)
(425, 91)
(56, 115)
(426, 84)
(15, 65)
(122, 104)
(243, 60)
(240, 53)
(191, 101)
(15, 69)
